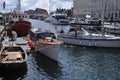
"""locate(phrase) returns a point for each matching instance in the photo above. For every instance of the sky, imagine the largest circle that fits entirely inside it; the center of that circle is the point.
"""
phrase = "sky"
(49, 5)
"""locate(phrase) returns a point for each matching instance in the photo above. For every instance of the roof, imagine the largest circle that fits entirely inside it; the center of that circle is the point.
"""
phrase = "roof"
(40, 10)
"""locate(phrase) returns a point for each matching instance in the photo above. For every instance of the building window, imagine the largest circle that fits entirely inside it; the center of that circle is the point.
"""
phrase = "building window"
(116, 15)
(108, 15)
(112, 15)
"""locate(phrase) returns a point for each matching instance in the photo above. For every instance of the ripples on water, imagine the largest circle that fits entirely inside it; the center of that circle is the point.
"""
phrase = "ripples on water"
(75, 63)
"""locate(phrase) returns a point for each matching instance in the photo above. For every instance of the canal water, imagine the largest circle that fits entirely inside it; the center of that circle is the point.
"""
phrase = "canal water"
(75, 63)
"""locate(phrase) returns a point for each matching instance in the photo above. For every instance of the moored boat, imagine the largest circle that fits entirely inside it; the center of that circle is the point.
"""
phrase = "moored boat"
(10, 38)
(21, 27)
(58, 19)
(13, 56)
(45, 42)
(86, 22)
(80, 36)
(20, 21)
(84, 38)
(113, 28)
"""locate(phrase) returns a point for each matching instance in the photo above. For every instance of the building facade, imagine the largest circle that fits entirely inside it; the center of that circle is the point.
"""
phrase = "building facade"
(95, 7)
(81, 7)
(38, 13)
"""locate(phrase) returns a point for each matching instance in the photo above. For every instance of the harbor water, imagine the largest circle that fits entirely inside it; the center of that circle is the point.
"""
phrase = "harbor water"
(74, 62)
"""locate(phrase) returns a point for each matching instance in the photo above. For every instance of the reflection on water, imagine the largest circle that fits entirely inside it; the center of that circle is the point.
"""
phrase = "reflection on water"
(90, 63)
(12, 74)
(46, 66)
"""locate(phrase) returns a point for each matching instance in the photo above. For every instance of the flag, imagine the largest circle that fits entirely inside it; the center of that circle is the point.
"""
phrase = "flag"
(4, 5)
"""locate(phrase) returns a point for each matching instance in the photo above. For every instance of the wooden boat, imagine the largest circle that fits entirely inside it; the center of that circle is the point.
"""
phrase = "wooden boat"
(13, 56)
(44, 42)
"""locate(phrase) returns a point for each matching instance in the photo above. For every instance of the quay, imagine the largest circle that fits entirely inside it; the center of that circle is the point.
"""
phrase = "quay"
(1, 34)
(19, 41)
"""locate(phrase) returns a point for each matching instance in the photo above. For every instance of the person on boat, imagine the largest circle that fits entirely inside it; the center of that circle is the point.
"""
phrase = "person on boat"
(76, 29)
(14, 35)
(9, 33)
(61, 31)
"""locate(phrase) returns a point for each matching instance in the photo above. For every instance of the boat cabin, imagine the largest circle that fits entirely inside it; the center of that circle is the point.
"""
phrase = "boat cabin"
(36, 35)
(80, 31)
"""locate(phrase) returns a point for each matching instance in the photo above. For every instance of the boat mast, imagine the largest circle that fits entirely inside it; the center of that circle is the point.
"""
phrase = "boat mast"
(17, 9)
(49, 6)
(102, 15)
(19, 6)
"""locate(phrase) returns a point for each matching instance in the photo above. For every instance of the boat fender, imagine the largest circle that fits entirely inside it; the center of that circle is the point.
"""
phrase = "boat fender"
(29, 43)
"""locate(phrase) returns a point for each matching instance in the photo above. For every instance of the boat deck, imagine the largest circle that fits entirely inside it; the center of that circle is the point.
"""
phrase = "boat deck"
(13, 56)
(53, 41)
(19, 41)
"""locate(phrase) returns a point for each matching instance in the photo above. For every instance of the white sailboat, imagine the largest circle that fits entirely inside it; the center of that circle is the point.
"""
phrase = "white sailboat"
(84, 38)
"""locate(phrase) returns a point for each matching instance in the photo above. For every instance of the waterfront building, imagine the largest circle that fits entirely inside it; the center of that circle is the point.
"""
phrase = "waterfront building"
(94, 8)
(40, 12)
(81, 7)
(37, 13)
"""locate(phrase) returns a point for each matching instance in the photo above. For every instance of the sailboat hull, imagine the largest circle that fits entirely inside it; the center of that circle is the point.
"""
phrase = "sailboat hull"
(115, 43)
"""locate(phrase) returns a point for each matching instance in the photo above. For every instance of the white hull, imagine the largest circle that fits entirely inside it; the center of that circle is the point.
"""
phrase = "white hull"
(45, 42)
(60, 22)
(48, 50)
(115, 43)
